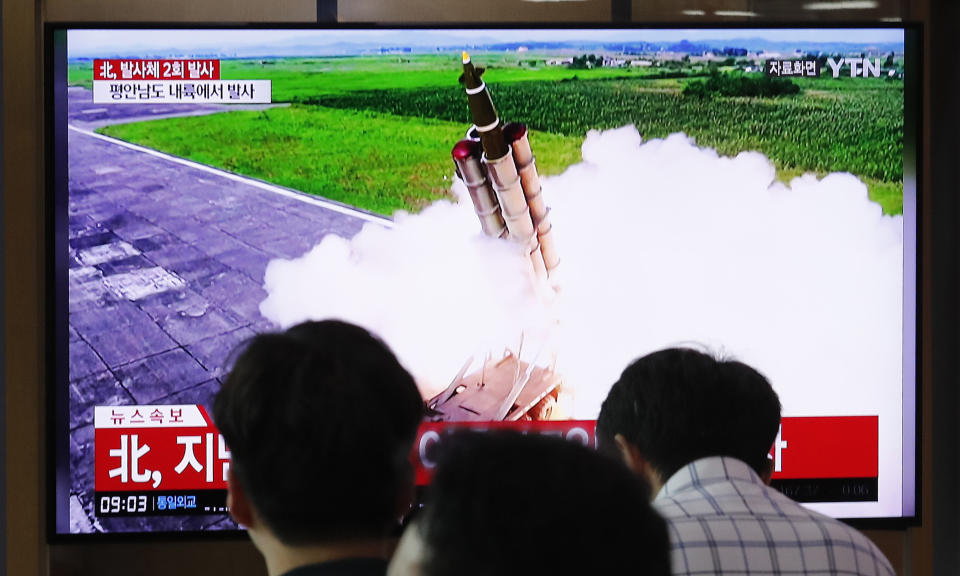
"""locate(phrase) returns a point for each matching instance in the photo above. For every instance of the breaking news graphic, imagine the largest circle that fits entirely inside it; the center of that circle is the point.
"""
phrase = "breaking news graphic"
(170, 460)
(517, 213)
(155, 460)
(171, 82)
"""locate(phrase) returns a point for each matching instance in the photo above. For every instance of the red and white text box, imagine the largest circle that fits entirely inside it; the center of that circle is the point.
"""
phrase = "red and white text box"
(155, 69)
(182, 91)
(167, 447)
(158, 447)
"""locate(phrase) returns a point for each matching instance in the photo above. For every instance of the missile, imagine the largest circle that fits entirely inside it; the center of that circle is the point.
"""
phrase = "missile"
(497, 165)
(501, 171)
(482, 111)
(466, 159)
(515, 134)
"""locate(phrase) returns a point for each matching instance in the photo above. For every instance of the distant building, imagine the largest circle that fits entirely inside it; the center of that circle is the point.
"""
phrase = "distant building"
(672, 56)
(609, 62)
(641, 63)
(560, 61)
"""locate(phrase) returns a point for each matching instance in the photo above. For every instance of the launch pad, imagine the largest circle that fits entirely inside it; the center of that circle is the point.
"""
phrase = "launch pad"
(505, 388)
(497, 165)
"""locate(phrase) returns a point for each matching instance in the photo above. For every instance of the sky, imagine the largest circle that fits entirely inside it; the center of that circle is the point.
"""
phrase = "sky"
(92, 43)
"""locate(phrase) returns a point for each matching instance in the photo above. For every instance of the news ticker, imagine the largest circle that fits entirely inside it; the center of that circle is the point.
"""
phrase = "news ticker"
(144, 452)
(163, 503)
(172, 81)
(811, 490)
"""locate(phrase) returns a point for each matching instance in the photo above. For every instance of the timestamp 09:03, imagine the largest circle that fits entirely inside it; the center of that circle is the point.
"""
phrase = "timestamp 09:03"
(121, 504)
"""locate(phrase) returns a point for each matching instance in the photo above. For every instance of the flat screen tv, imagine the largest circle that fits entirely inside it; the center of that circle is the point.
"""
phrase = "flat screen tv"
(517, 212)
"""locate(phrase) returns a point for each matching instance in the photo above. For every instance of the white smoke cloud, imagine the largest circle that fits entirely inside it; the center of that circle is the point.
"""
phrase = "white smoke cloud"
(433, 288)
(661, 242)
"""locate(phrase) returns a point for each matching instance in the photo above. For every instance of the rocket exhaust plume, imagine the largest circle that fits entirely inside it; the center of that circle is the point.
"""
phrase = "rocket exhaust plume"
(702, 248)
(802, 281)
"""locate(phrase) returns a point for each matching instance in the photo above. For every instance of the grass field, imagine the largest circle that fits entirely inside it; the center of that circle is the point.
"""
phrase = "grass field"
(376, 131)
(376, 161)
(856, 134)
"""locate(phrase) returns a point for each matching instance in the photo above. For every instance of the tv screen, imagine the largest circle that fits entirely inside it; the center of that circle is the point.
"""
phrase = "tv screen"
(518, 213)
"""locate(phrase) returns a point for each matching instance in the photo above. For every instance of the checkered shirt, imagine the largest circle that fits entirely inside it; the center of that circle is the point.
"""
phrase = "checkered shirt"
(724, 520)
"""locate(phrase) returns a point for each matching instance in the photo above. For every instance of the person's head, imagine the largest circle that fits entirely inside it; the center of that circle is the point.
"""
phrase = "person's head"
(505, 503)
(320, 420)
(678, 405)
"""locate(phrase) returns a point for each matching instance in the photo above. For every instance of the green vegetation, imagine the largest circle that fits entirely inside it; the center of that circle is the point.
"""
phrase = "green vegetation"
(732, 85)
(889, 195)
(375, 161)
(586, 62)
(376, 131)
(80, 73)
(859, 132)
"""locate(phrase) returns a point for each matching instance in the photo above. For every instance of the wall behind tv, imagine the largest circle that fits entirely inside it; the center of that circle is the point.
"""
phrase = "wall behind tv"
(912, 551)
(23, 339)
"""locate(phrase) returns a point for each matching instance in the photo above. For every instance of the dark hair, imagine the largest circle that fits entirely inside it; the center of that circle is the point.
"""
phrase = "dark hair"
(504, 503)
(320, 421)
(679, 405)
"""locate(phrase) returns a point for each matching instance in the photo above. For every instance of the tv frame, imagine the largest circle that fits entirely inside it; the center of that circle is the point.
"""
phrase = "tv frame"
(56, 332)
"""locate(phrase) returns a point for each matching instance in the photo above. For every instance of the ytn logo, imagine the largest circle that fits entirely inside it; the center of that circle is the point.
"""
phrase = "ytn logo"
(863, 67)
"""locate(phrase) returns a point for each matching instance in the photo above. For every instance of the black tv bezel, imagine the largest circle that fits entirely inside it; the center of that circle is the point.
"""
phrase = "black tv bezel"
(56, 337)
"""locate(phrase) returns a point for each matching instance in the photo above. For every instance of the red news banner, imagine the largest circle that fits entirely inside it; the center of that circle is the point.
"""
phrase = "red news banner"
(117, 69)
(827, 447)
(828, 459)
(158, 448)
(172, 81)
(160, 452)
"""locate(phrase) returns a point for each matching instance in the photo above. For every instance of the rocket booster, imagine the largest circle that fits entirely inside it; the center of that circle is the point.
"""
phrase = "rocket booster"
(466, 158)
(509, 171)
(516, 134)
(482, 111)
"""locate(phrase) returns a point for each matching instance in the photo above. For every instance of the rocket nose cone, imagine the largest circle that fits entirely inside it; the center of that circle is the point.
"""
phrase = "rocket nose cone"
(470, 78)
(466, 149)
(514, 131)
